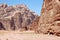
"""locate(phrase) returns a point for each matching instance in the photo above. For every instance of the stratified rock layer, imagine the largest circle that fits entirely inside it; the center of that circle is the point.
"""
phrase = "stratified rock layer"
(49, 22)
(15, 17)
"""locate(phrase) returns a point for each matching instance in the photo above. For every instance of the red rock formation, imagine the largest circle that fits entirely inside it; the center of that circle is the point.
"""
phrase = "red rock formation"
(34, 24)
(49, 21)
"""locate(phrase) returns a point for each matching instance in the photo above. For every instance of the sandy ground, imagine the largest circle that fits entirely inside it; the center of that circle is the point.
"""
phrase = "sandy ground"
(26, 35)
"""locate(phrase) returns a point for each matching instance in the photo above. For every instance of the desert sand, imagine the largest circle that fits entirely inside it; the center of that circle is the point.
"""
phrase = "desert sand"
(25, 35)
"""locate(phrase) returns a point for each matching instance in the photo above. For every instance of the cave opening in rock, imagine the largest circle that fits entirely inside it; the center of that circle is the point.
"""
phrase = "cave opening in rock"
(26, 28)
(1, 26)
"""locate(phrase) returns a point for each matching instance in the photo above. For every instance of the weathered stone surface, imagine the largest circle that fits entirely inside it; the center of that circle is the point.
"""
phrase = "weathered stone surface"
(34, 24)
(16, 17)
(49, 22)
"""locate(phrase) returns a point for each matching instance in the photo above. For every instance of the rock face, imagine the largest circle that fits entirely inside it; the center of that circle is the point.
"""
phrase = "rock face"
(34, 24)
(15, 17)
(49, 22)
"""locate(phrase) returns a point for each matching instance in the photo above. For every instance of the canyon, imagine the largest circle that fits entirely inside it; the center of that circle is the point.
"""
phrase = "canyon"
(20, 23)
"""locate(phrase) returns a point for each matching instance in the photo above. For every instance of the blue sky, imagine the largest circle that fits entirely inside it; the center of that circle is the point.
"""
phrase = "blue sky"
(34, 5)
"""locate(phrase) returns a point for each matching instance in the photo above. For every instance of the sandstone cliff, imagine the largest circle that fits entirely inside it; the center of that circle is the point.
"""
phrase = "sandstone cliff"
(49, 22)
(15, 17)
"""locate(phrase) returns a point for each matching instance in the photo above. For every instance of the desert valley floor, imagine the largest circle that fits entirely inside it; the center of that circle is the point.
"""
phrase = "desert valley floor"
(26, 35)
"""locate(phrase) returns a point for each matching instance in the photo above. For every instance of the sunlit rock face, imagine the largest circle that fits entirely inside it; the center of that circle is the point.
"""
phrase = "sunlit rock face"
(34, 24)
(49, 22)
(15, 17)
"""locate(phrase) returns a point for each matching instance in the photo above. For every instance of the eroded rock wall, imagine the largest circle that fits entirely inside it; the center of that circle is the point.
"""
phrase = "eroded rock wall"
(15, 17)
(49, 22)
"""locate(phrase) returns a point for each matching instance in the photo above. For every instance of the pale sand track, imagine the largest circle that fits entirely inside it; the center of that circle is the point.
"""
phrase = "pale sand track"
(27, 35)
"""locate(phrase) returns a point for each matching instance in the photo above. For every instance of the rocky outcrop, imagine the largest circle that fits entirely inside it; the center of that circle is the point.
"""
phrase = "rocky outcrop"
(49, 22)
(15, 17)
(34, 24)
